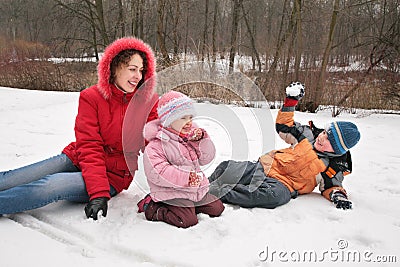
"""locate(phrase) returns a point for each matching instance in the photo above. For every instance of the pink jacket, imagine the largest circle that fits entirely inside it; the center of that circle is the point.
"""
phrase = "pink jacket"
(168, 160)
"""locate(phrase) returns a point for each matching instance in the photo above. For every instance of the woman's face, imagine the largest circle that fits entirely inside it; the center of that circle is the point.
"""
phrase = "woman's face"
(183, 124)
(128, 76)
(322, 143)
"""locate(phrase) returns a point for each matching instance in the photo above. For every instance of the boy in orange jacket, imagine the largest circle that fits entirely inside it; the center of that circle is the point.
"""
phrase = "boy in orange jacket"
(315, 157)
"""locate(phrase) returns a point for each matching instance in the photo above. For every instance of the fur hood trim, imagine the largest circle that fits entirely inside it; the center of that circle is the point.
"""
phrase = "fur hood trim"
(104, 71)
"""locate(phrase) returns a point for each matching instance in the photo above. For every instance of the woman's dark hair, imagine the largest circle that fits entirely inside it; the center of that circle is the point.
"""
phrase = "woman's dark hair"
(124, 57)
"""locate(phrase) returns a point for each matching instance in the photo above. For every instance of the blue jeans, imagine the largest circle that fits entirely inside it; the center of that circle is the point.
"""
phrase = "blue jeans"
(42, 183)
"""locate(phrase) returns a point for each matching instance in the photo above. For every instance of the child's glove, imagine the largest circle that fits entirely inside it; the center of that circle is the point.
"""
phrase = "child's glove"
(341, 201)
(294, 92)
(195, 178)
(195, 134)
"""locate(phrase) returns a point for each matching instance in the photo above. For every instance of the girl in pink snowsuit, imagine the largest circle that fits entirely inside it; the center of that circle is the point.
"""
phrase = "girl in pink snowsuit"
(172, 160)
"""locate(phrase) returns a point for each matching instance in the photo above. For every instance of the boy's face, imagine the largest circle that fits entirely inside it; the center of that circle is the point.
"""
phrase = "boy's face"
(322, 143)
(183, 124)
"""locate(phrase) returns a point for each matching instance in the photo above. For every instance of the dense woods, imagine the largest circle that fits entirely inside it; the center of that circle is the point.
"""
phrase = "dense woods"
(347, 52)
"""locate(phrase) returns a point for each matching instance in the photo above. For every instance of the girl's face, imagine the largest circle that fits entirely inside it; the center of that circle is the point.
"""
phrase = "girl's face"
(128, 76)
(322, 143)
(183, 124)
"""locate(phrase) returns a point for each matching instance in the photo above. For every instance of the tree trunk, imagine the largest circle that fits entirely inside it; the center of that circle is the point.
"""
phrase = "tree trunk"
(160, 31)
(268, 36)
(175, 29)
(252, 40)
(94, 35)
(214, 31)
(321, 79)
(137, 17)
(281, 42)
(141, 11)
(121, 19)
(235, 22)
(102, 24)
(205, 31)
(134, 21)
(295, 44)
(299, 41)
(186, 31)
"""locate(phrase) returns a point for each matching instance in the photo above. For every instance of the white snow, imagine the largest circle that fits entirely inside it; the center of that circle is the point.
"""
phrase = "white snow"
(36, 125)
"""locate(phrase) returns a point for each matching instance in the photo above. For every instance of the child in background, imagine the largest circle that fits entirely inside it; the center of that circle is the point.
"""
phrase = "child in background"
(172, 160)
(316, 157)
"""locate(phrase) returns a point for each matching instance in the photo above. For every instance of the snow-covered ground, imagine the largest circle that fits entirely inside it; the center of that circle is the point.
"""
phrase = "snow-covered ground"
(36, 125)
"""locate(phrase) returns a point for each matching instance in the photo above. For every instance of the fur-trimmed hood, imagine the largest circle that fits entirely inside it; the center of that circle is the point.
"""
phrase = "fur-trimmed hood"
(104, 71)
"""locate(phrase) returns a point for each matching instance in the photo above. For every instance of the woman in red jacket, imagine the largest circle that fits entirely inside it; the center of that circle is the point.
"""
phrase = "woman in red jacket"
(93, 168)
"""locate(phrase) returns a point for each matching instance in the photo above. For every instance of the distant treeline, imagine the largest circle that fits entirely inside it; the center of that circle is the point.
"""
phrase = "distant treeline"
(286, 39)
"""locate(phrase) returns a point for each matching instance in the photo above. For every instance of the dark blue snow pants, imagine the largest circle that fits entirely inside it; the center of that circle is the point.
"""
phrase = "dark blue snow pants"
(244, 183)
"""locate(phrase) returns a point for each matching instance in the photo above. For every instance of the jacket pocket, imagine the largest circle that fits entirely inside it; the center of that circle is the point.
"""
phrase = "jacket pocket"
(287, 161)
(117, 166)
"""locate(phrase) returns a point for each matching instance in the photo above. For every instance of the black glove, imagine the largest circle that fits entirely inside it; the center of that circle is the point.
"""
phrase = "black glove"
(341, 201)
(94, 206)
(281, 128)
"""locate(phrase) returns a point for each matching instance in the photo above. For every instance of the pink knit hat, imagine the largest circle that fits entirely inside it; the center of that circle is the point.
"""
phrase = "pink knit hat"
(172, 106)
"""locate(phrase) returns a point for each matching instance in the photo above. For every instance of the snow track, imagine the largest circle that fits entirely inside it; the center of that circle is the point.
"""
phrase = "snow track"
(54, 232)
(90, 246)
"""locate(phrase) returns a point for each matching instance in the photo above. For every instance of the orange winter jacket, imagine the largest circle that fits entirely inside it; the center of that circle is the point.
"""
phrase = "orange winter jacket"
(298, 166)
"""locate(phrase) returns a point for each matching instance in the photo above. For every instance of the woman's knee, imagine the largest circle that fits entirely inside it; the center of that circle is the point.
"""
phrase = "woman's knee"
(67, 186)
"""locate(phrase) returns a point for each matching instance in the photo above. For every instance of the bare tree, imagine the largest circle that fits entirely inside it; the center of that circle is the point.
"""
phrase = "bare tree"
(137, 10)
(281, 41)
(205, 30)
(321, 79)
(385, 47)
(294, 36)
(252, 38)
(93, 31)
(11, 13)
(161, 32)
(175, 30)
(98, 4)
(121, 19)
(91, 13)
(214, 32)
(299, 40)
(186, 42)
(235, 22)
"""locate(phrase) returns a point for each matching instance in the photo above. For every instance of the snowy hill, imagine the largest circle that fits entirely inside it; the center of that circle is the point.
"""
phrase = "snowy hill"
(36, 125)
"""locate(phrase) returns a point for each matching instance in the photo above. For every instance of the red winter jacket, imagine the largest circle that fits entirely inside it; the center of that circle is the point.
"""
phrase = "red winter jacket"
(109, 125)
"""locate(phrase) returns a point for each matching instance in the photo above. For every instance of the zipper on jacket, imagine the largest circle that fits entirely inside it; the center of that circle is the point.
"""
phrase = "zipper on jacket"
(123, 111)
(124, 99)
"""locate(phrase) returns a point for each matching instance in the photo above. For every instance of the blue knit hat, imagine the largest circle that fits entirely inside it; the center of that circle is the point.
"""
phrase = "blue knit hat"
(342, 135)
